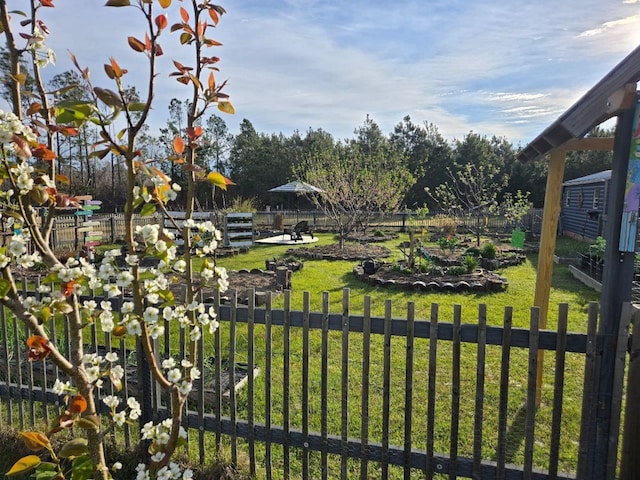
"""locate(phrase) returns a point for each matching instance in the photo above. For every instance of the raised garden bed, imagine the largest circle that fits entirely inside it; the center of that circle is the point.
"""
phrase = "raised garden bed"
(480, 280)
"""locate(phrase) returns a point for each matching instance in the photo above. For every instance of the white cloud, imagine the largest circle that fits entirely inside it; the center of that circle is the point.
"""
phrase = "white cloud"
(481, 66)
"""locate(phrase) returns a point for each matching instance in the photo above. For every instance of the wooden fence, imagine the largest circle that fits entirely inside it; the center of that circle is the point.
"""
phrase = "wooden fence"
(343, 395)
(66, 236)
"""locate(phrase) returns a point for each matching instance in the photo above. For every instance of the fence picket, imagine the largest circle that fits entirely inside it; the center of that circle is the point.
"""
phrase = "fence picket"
(501, 453)
(305, 384)
(344, 403)
(366, 363)
(479, 403)
(529, 422)
(5, 356)
(587, 432)
(386, 387)
(431, 389)
(217, 371)
(629, 465)
(558, 390)
(408, 390)
(618, 384)
(286, 382)
(324, 383)
(231, 371)
(125, 390)
(17, 348)
(250, 379)
(455, 392)
(268, 360)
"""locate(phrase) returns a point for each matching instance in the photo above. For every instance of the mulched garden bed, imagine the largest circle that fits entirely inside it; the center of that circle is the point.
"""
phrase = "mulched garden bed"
(481, 280)
(350, 251)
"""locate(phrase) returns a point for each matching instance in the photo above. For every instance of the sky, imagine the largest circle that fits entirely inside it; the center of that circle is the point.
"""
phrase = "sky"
(492, 67)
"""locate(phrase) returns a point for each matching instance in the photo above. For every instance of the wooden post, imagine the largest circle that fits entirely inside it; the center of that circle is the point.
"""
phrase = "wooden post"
(616, 289)
(552, 199)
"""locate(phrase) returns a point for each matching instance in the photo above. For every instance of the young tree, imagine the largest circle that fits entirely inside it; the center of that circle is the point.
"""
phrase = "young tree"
(356, 185)
(26, 137)
(471, 193)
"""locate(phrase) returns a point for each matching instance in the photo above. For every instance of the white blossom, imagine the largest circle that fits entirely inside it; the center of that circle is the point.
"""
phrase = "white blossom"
(111, 401)
(59, 387)
(174, 375)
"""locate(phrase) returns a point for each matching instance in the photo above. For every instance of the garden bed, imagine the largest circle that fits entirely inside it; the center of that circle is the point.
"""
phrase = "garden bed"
(480, 280)
(350, 251)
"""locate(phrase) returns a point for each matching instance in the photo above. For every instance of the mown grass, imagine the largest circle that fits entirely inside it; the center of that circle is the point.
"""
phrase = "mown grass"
(318, 276)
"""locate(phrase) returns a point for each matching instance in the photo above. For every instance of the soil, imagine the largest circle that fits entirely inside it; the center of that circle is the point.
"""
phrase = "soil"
(350, 251)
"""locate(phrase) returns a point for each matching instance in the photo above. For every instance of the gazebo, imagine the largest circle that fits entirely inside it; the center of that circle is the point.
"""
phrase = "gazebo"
(614, 96)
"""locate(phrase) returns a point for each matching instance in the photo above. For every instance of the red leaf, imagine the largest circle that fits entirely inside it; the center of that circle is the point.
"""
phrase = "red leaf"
(38, 347)
(136, 44)
(34, 108)
(178, 145)
(214, 16)
(194, 132)
(161, 21)
(43, 153)
(78, 404)
(67, 288)
(184, 14)
(46, 3)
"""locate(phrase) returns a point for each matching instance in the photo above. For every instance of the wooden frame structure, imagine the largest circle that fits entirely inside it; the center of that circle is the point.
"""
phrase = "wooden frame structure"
(614, 96)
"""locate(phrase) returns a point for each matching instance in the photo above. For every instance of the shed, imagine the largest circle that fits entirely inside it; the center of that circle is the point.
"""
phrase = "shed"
(584, 206)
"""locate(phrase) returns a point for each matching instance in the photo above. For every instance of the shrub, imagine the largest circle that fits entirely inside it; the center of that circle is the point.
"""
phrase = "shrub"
(448, 243)
(489, 251)
(457, 270)
(470, 263)
(597, 248)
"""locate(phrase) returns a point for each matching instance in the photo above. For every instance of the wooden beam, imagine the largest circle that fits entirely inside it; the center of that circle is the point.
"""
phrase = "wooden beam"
(550, 215)
(589, 143)
(621, 99)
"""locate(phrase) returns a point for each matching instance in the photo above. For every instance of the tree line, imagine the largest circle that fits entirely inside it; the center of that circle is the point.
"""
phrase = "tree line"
(257, 161)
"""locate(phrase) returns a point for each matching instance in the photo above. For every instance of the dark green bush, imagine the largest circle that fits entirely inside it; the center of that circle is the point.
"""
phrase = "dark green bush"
(470, 263)
(489, 251)
(457, 270)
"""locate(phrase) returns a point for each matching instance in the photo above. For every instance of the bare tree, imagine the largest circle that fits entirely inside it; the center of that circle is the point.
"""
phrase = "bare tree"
(355, 186)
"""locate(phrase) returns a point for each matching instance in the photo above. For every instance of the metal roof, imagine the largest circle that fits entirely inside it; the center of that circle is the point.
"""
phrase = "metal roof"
(593, 178)
(599, 104)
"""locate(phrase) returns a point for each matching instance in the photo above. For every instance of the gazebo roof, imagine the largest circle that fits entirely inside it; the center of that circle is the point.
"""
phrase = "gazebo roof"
(603, 101)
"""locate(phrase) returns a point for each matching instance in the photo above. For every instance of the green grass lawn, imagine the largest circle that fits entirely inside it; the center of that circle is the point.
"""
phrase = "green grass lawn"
(319, 276)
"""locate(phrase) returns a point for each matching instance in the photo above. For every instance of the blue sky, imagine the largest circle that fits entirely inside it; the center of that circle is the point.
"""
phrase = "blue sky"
(473, 65)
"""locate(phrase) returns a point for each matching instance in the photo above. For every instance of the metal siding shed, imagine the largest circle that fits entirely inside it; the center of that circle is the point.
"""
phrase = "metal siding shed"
(581, 215)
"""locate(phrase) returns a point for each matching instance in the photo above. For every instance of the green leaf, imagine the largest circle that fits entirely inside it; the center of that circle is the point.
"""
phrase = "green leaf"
(108, 97)
(62, 307)
(5, 287)
(91, 422)
(148, 209)
(25, 464)
(137, 106)
(47, 471)
(82, 468)
(117, 3)
(74, 448)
